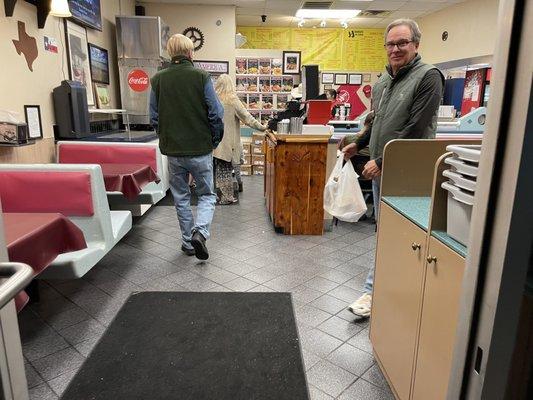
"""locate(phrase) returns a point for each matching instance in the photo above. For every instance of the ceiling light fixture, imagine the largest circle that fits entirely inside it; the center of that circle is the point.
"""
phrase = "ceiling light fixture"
(344, 24)
(323, 23)
(59, 8)
(327, 14)
(301, 23)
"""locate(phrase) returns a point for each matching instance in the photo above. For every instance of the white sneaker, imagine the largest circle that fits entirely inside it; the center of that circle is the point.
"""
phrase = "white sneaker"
(361, 307)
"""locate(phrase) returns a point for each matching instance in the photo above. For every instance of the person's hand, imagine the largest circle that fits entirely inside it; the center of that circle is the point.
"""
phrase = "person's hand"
(371, 170)
(340, 145)
(349, 151)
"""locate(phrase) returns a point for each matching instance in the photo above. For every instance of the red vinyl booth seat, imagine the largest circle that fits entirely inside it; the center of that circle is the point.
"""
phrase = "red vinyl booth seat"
(40, 192)
(102, 154)
(319, 112)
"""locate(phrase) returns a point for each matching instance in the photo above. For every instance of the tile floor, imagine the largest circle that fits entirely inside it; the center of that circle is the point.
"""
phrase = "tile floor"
(324, 273)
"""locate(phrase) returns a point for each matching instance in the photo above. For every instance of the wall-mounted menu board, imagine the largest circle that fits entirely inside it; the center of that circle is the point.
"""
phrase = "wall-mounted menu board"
(332, 49)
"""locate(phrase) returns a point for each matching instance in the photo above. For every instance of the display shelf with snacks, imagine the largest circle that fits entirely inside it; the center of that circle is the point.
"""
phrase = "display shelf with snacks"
(261, 86)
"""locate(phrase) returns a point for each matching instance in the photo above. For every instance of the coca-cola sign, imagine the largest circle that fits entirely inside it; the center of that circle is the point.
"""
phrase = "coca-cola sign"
(138, 80)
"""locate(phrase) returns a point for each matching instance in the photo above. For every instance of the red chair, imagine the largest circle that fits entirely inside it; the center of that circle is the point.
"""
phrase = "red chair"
(319, 112)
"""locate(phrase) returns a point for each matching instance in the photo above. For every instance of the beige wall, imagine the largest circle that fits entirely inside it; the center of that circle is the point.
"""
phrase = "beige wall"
(219, 40)
(20, 86)
(471, 28)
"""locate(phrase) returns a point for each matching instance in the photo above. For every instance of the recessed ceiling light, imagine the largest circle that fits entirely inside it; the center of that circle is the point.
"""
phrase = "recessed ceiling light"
(323, 14)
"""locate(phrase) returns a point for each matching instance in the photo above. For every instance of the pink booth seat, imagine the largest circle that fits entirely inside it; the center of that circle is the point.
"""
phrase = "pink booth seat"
(73, 153)
(118, 155)
(47, 191)
(76, 192)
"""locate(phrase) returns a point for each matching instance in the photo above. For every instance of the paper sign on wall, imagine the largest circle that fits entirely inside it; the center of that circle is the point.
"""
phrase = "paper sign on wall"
(331, 48)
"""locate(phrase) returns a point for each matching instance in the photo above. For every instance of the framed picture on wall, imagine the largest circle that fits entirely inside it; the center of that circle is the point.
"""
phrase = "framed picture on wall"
(341, 79)
(99, 62)
(33, 120)
(78, 57)
(292, 62)
(327, 78)
(355, 79)
(103, 100)
(367, 78)
(327, 87)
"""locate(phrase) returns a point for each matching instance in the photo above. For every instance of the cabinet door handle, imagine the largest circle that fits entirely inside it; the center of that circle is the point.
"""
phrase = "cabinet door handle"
(431, 259)
(415, 246)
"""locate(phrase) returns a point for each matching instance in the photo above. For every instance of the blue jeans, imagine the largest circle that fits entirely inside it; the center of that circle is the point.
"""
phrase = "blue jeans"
(376, 189)
(201, 168)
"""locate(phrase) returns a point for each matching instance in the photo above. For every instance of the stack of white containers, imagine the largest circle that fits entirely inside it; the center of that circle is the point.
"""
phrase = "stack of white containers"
(461, 188)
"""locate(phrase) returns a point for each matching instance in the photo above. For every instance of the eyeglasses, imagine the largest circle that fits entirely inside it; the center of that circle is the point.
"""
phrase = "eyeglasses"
(402, 44)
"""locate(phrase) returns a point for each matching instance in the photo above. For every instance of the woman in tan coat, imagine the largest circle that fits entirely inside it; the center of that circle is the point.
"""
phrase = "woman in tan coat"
(229, 150)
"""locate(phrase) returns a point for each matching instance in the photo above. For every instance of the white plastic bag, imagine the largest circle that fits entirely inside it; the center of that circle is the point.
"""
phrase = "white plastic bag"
(343, 197)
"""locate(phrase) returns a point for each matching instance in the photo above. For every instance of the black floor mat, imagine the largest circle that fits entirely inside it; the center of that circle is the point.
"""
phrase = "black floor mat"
(195, 346)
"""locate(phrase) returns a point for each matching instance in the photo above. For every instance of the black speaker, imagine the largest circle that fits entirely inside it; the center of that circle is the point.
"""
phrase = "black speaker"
(310, 82)
(140, 11)
(71, 111)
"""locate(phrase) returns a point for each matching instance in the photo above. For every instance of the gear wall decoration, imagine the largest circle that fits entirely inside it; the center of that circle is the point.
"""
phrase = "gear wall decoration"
(196, 36)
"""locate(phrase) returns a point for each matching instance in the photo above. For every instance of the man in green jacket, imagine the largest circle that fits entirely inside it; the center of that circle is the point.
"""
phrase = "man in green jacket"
(189, 121)
(405, 101)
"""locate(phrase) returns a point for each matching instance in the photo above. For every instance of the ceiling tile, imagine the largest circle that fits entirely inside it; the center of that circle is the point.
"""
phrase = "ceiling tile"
(405, 14)
(351, 5)
(248, 11)
(422, 6)
(385, 5)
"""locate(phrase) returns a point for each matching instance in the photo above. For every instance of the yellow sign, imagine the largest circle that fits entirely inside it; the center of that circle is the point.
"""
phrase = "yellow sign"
(333, 49)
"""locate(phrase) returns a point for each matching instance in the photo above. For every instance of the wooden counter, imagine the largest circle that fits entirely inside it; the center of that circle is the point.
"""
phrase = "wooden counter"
(295, 175)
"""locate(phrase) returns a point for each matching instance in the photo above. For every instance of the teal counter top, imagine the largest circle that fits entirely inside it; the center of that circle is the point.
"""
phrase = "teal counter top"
(416, 209)
(453, 244)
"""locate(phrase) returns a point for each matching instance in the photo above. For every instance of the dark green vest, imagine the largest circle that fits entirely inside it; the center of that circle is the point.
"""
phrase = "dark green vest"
(183, 128)
(392, 99)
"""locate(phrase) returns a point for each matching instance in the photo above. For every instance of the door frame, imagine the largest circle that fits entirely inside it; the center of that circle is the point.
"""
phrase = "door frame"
(500, 237)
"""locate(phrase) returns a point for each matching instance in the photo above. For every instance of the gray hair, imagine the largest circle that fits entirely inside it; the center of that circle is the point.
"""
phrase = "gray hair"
(415, 30)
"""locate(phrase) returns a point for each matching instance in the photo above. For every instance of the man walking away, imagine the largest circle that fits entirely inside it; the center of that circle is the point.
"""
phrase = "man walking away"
(189, 121)
(406, 101)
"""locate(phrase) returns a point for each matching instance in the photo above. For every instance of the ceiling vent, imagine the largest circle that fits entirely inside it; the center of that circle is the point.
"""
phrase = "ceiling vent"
(374, 13)
(316, 5)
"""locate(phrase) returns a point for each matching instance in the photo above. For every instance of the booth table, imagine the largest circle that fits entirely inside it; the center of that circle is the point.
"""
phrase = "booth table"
(129, 179)
(37, 239)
